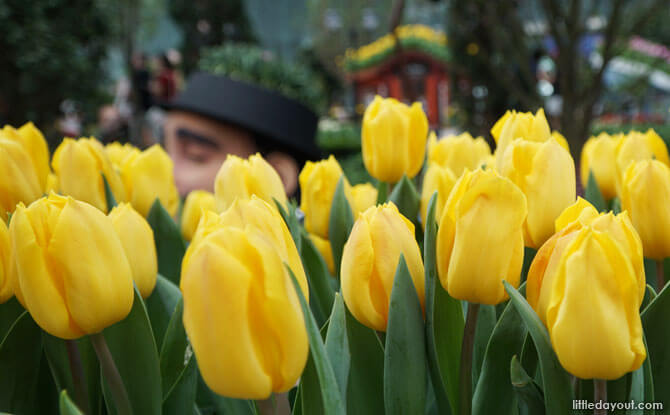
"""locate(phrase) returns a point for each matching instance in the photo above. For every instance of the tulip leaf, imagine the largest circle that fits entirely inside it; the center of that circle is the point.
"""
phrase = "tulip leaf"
(656, 325)
(527, 392)
(365, 392)
(10, 311)
(209, 402)
(649, 295)
(332, 400)
(494, 392)
(444, 325)
(173, 351)
(321, 291)
(340, 223)
(555, 381)
(181, 397)
(161, 305)
(67, 407)
(337, 344)
(20, 356)
(592, 194)
(133, 348)
(486, 321)
(405, 351)
(406, 198)
(615, 205)
(170, 246)
(109, 195)
(292, 222)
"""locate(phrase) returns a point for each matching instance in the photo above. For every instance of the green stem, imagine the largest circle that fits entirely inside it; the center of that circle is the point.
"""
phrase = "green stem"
(599, 394)
(382, 192)
(466, 359)
(77, 371)
(276, 404)
(660, 276)
(111, 374)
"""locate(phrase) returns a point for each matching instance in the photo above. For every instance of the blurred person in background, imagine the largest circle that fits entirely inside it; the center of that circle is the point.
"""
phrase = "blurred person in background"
(166, 80)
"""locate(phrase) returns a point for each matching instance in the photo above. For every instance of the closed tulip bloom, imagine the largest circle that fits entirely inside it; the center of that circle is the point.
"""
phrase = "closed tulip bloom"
(73, 275)
(19, 181)
(6, 283)
(80, 165)
(137, 239)
(242, 178)
(636, 146)
(197, 202)
(592, 305)
(544, 267)
(560, 138)
(545, 172)
(393, 139)
(458, 152)
(369, 261)
(118, 152)
(361, 197)
(519, 125)
(598, 156)
(253, 342)
(147, 176)
(323, 246)
(646, 196)
(318, 181)
(35, 144)
(480, 237)
(437, 179)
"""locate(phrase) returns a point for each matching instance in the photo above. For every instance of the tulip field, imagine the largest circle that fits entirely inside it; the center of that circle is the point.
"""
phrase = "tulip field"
(461, 281)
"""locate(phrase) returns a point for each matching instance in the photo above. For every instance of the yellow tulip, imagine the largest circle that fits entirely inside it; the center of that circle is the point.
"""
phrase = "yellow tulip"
(361, 197)
(369, 261)
(323, 246)
(72, 272)
(254, 341)
(545, 172)
(242, 178)
(458, 152)
(637, 146)
(33, 141)
(148, 175)
(79, 166)
(560, 139)
(118, 153)
(196, 202)
(646, 196)
(52, 183)
(515, 125)
(393, 139)
(440, 179)
(598, 156)
(137, 239)
(6, 283)
(19, 180)
(480, 237)
(591, 302)
(318, 181)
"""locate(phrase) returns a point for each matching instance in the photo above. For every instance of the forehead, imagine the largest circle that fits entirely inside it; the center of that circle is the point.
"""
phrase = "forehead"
(203, 126)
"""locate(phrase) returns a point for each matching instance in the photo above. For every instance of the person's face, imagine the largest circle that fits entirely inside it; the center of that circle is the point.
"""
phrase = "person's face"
(198, 146)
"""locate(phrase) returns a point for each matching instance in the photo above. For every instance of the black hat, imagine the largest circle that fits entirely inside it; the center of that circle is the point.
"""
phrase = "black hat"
(261, 111)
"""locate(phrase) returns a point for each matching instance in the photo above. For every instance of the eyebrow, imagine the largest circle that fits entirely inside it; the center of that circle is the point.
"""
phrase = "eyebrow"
(186, 134)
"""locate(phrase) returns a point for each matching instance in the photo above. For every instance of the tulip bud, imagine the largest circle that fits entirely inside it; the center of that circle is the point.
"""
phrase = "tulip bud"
(361, 197)
(318, 182)
(369, 261)
(148, 175)
(560, 138)
(393, 139)
(6, 283)
(79, 166)
(587, 293)
(118, 153)
(646, 197)
(637, 146)
(459, 152)
(19, 180)
(323, 246)
(242, 178)
(545, 172)
(35, 144)
(480, 237)
(255, 342)
(523, 125)
(197, 202)
(598, 156)
(440, 179)
(137, 239)
(72, 272)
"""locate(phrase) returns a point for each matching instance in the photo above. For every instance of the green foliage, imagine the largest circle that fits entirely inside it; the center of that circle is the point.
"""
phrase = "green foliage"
(260, 67)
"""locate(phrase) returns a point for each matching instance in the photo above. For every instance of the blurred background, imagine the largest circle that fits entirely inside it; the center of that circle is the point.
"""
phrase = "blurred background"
(98, 67)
